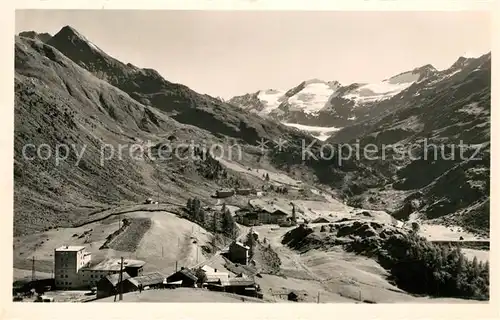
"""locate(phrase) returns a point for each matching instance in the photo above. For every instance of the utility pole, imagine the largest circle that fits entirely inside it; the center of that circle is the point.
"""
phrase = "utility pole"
(318, 296)
(175, 266)
(162, 251)
(33, 269)
(121, 280)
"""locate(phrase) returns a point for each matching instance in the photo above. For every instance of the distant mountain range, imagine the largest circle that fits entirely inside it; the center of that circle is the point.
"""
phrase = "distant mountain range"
(322, 107)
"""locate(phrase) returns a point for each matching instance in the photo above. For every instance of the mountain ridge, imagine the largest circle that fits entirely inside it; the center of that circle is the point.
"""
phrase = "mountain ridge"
(345, 105)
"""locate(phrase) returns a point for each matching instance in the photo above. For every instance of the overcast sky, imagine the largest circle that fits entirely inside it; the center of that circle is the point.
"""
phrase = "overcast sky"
(231, 53)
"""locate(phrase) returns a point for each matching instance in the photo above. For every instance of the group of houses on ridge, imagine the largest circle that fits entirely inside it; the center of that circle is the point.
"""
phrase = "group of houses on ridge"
(226, 193)
(258, 214)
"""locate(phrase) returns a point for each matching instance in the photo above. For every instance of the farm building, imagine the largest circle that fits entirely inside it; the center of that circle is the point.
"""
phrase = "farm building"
(151, 280)
(213, 276)
(110, 285)
(244, 191)
(247, 217)
(243, 286)
(172, 285)
(258, 216)
(238, 252)
(224, 193)
(187, 277)
(91, 274)
(320, 220)
(277, 216)
(290, 295)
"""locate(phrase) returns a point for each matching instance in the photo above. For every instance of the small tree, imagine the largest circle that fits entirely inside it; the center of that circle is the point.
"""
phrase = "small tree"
(214, 222)
(267, 176)
(250, 243)
(294, 215)
(189, 205)
(201, 275)
(228, 224)
(415, 227)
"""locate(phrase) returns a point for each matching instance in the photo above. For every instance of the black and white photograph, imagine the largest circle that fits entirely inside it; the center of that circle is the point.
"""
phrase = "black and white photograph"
(313, 157)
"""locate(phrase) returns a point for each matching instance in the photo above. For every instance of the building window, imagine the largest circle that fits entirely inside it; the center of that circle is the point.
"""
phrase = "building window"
(65, 275)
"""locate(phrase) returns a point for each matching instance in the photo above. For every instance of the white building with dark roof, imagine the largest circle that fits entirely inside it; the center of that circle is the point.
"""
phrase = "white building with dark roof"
(68, 263)
(74, 269)
(91, 274)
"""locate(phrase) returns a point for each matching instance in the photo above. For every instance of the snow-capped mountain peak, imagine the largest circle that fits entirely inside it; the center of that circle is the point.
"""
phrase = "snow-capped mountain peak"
(317, 103)
(312, 95)
(271, 99)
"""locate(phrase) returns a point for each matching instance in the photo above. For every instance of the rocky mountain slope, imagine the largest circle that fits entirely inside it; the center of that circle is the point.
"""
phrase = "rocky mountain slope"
(75, 102)
(44, 37)
(445, 121)
(328, 104)
(422, 153)
(149, 88)
(69, 126)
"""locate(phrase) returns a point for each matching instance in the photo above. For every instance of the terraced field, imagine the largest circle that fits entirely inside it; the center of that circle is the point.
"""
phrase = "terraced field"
(130, 238)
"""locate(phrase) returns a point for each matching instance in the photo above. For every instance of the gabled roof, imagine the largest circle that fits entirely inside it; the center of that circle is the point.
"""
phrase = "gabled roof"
(114, 279)
(207, 269)
(70, 248)
(221, 277)
(149, 279)
(241, 245)
(188, 273)
(241, 282)
(114, 264)
(279, 212)
(133, 281)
